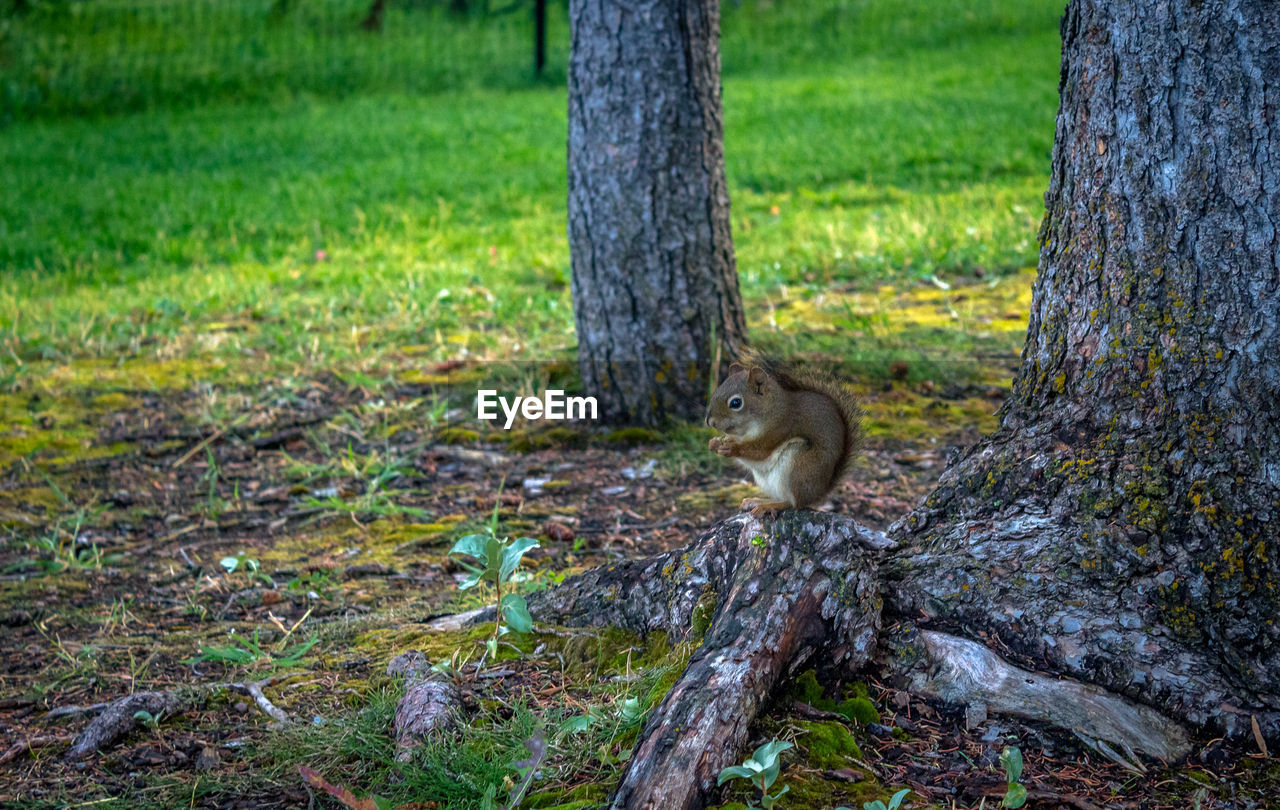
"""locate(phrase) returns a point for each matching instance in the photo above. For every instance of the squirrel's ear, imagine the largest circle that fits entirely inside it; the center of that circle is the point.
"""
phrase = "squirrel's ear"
(756, 375)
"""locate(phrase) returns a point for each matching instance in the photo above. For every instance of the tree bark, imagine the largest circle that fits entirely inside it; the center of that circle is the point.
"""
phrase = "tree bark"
(1118, 530)
(655, 287)
(1124, 516)
(770, 598)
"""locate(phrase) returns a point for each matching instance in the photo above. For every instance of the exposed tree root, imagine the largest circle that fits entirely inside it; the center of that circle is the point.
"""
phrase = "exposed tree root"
(23, 746)
(430, 706)
(767, 597)
(966, 672)
(118, 719)
(771, 596)
(254, 690)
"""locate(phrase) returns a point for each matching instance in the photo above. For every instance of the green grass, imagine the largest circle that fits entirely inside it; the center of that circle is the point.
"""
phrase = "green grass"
(919, 147)
(442, 217)
(74, 57)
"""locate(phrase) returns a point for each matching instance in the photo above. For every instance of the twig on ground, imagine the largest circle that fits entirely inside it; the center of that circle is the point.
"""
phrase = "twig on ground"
(254, 690)
(19, 748)
(217, 434)
(118, 719)
(66, 711)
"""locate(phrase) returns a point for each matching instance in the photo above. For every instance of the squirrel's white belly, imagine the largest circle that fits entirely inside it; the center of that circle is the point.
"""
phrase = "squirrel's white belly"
(773, 475)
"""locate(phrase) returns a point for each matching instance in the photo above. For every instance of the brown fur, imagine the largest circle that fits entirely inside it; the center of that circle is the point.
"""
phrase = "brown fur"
(798, 433)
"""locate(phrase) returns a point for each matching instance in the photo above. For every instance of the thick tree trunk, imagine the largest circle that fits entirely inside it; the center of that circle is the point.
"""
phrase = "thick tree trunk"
(1119, 530)
(655, 288)
(1125, 516)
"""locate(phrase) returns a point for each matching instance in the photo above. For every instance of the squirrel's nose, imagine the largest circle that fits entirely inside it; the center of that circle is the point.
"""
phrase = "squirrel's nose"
(709, 422)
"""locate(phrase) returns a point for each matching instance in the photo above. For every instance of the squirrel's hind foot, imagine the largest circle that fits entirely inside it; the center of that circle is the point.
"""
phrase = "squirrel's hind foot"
(761, 507)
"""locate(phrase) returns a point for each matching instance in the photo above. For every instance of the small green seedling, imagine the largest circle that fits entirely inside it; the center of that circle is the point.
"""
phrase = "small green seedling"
(321, 582)
(1016, 794)
(243, 562)
(244, 652)
(498, 559)
(151, 721)
(895, 801)
(760, 770)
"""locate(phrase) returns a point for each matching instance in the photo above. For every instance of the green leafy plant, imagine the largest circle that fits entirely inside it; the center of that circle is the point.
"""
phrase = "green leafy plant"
(62, 548)
(243, 562)
(895, 801)
(761, 770)
(215, 505)
(497, 560)
(319, 581)
(151, 721)
(243, 652)
(1016, 794)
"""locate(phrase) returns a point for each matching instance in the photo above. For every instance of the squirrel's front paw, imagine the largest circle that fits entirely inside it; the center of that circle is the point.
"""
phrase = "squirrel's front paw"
(723, 445)
(763, 507)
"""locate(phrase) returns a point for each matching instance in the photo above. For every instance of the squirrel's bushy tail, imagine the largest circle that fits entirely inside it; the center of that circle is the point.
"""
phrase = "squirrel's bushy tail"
(793, 379)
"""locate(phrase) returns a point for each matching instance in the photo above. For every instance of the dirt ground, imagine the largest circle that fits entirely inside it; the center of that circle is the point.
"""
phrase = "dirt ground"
(198, 536)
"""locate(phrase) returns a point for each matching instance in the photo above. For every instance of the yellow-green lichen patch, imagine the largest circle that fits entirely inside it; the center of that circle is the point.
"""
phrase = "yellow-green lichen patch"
(929, 333)
(633, 436)
(528, 440)
(144, 374)
(452, 377)
(727, 496)
(457, 435)
(390, 541)
(579, 798)
(904, 415)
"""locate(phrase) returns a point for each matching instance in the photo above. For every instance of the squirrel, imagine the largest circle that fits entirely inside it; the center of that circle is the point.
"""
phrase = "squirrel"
(798, 433)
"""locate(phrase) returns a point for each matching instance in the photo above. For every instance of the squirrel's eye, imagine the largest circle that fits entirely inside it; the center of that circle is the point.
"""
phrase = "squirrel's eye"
(735, 404)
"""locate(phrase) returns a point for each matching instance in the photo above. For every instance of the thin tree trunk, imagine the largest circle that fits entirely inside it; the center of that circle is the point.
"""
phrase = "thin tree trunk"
(539, 35)
(655, 287)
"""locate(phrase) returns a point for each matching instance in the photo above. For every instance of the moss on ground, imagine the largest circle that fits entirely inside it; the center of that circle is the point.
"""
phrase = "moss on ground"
(828, 744)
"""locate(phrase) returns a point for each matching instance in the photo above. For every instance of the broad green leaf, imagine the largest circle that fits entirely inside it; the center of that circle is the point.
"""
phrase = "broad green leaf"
(895, 801)
(767, 757)
(1011, 759)
(471, 545)
(1015, 797)
(767, 802)
(230, 563)
(734, 772)
(516, 612)
(575, 724)
(511, 555)
(492, 556)
(472, 580)
(630, 710)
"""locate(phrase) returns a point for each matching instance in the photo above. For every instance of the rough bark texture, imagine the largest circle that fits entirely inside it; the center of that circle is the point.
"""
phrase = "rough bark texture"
(118, 719)
(1121, 524)
(765, 599)
(768, 598)
(1118, 531)
(655, 287)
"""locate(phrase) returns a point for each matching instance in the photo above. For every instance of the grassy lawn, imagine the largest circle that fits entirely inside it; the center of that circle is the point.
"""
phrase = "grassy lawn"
(316, 229)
